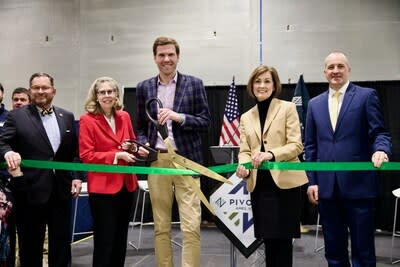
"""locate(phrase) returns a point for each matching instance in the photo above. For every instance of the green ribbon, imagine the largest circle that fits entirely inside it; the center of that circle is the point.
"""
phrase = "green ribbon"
(328, 166)
(102, 168)
(313, 166)
(307, 166)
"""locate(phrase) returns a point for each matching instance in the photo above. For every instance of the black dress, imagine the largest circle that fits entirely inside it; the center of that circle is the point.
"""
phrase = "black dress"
(276, 211)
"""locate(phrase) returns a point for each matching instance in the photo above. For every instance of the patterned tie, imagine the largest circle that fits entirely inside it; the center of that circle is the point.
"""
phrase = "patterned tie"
(334, 109)
(47, 111)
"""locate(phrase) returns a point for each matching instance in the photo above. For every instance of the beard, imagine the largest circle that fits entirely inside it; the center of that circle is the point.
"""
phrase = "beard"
(42, 102)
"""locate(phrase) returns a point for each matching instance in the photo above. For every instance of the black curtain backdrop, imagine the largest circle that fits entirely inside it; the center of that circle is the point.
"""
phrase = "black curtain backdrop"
(389, 93)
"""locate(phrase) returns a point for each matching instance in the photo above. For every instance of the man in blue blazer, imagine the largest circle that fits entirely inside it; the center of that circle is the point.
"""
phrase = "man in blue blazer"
(185, 111)
(355, 133)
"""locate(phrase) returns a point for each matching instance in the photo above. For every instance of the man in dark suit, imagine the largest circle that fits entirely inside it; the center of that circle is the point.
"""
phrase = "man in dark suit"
(186, 114)
(41, 131)
(346, 124)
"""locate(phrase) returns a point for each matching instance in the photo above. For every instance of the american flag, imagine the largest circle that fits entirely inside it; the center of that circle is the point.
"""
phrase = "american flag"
(230, 134)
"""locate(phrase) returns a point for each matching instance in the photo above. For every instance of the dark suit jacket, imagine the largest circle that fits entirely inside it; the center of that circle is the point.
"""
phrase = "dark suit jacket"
(24, 133)
(360, 131)
(190, 99)
(98, 144)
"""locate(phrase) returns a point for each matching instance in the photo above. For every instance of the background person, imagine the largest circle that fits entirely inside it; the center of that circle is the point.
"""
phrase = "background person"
(186, 114)
(7, 226)
(7, 213)
(3, 110)
(41, 131)
(20, 97)
(346, 124)
(270, 131)
(103, 132)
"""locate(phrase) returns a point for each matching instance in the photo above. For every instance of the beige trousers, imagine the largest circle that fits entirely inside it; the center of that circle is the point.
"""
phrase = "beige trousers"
(162, 189)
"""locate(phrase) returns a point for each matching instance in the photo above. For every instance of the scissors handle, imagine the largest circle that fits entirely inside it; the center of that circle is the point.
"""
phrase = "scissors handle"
(162, 129)
(152, 152)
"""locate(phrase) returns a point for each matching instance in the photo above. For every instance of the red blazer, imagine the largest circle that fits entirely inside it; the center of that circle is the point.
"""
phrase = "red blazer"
(98, 144)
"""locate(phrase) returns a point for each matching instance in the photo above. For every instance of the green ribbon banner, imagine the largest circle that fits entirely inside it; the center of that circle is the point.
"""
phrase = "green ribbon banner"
(228, 168)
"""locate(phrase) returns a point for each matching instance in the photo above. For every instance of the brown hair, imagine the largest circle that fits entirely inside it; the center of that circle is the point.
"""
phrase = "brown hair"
(163, 40)
(21, 90)
(260, 70)
(41, 74)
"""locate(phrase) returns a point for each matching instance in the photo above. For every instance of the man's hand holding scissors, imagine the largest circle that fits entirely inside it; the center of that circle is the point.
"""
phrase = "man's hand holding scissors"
(165, 114)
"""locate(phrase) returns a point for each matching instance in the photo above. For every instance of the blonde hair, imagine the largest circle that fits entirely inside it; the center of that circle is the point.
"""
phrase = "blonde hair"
(92, 105)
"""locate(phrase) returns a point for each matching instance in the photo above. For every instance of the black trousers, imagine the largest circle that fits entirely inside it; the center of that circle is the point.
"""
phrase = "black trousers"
(110, 214)
(278, 252)
(31, 227)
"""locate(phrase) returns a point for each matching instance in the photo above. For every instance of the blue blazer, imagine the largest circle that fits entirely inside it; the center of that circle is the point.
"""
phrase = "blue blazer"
(190, 99)
(360, 131)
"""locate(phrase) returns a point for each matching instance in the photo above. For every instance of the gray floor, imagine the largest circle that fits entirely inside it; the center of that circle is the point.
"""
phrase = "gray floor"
(216, 250)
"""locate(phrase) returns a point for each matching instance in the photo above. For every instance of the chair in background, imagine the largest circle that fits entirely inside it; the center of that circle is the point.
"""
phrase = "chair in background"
(317, 228)
(396, 194)
(143, 186)
(83, 193)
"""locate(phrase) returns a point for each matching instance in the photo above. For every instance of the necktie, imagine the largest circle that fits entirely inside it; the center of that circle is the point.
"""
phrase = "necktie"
(47, 111)
(334, 109)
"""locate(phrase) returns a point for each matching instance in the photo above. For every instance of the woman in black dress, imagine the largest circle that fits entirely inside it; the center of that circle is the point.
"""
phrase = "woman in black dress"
(270, 131)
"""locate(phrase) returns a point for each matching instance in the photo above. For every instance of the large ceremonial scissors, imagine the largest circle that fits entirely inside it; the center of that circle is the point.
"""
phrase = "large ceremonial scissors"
(178, 160)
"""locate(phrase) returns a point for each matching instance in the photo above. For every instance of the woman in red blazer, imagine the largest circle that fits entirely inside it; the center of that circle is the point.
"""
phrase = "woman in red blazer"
(103, 133)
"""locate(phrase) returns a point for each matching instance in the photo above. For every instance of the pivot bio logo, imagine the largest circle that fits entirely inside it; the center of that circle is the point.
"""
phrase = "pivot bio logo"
(235, 204)
(232, 206)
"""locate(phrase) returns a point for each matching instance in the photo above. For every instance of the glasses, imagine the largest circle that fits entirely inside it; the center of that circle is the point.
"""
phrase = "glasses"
(38, 87)
(106, 92)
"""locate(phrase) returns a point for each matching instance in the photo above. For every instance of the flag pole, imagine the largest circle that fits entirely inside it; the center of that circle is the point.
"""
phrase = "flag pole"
(233, 259)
